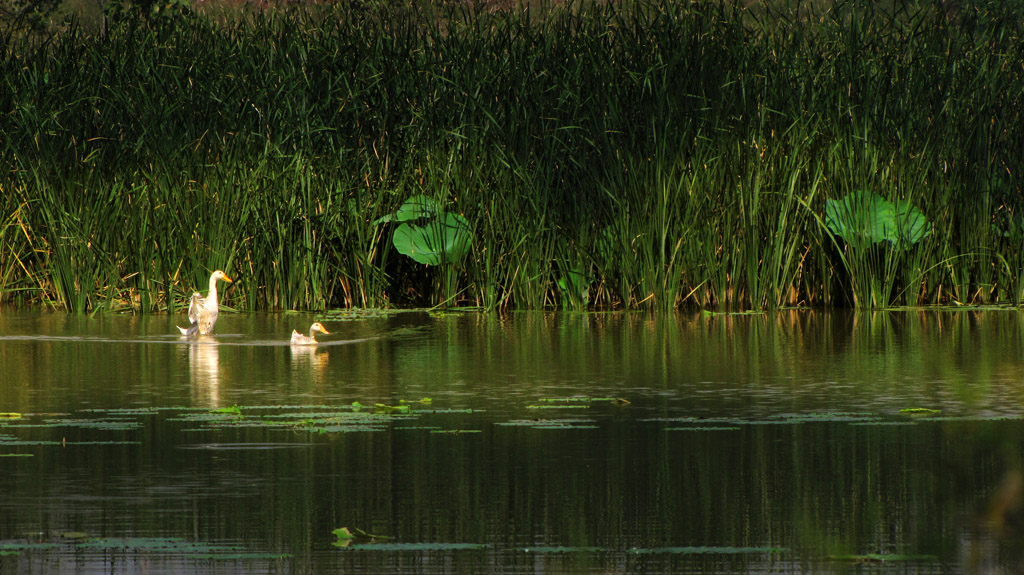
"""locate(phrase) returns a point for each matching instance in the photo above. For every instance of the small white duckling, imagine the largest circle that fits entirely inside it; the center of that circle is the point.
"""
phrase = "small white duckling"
(299, 339)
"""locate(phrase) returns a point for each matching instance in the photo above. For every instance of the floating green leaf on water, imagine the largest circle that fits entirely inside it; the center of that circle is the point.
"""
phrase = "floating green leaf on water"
(357, 534)
(708, 428)
(880, 558)
(424, 401)
(241, 556)
(781, 419)
(974, 418)
(565, 549)
(380, 407)
(709, 550)
(191, 549)
(304, 418)
(10, 415)
(574, 402)
(358, 314)
(343, 533)
(17, 546)
(701, 550)
(16, 454)
(571, 400)
(126, 410)
(456, 431)
(550, 423)
(409, 547)
(101, 424)
(919, 411)
(233, 410)
(156, 544)
(882, 423)
(11, 440)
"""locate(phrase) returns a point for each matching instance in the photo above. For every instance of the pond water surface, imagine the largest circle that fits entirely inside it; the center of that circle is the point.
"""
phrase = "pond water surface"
(479, 443)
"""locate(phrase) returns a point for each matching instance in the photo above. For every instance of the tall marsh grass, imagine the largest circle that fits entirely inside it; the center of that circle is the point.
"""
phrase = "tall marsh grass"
(613, 155)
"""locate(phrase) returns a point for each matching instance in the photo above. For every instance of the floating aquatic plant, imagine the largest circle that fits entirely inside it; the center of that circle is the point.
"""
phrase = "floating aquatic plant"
(617, 400)
(356, 533)
(574, 402)
(708, 550)
(881, 558)
(699, 550)
(312, 419)
(708, 428)
(422, 400)
(160, 545)
(386, 547)
(550, 423)
(358, 314)
(919, 411)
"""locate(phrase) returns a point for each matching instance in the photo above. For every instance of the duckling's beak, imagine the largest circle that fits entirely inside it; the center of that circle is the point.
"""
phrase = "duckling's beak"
(324, 330)
(227, 279)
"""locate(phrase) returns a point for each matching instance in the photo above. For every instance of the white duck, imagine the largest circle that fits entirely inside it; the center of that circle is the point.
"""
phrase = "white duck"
(299, 339)
(202, 312)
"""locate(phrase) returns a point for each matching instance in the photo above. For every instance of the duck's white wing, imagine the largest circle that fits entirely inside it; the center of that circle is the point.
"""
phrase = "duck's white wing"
(197, 303)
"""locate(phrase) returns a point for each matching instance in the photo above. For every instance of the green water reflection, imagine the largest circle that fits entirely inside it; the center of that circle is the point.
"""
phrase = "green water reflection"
(745, 444)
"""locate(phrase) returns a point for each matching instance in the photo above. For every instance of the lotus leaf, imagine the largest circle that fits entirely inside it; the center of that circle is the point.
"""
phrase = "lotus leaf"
(414, 208)
(442, 240)
(863, 218)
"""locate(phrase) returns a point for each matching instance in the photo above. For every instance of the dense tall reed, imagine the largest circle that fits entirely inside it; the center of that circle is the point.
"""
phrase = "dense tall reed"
(617, 155)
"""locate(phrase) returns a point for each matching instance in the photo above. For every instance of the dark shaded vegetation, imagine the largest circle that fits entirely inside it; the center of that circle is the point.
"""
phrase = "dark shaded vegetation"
(639, 155)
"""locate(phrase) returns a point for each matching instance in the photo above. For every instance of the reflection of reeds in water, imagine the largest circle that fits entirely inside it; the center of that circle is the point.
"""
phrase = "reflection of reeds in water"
(204, 370)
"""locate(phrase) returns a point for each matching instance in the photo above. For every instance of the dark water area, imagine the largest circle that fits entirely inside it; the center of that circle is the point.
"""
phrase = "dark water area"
(563, 443)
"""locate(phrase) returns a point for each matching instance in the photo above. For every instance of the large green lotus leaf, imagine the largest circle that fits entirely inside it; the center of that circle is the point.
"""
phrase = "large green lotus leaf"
(443, 240)
(418, 207)
(414, 208)
(863, 218)
(909, 225)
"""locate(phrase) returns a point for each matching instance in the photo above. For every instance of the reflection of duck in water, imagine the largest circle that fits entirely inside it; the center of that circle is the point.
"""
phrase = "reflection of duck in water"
(299, 339)
(204, 370)
(202, 312)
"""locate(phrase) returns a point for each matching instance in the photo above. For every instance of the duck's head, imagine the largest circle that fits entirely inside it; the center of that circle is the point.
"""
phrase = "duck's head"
(220, 275)
(318, 327)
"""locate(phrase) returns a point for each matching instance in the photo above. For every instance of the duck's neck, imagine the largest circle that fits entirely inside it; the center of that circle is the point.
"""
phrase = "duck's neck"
(212, 294)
